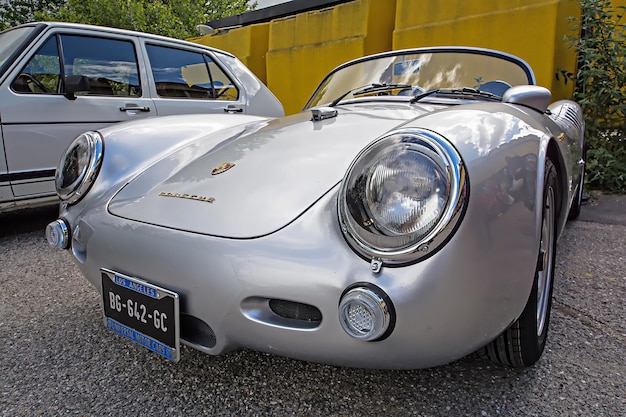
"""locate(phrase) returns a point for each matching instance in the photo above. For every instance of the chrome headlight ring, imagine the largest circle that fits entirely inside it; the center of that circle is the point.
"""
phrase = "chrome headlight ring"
(79, 167)
(403, 196)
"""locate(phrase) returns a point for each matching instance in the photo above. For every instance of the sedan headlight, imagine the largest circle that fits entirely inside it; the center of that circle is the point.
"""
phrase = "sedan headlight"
(79, 167)
(403, 196)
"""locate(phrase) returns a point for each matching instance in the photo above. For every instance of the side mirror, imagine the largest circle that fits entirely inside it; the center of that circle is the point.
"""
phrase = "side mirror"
(532, 96)
(75, 84)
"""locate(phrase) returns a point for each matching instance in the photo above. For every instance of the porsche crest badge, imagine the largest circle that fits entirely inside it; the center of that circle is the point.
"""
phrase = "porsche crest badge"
(222, 168)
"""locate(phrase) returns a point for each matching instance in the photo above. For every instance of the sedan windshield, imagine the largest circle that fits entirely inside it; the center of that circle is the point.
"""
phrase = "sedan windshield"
(10, 41)
(411, 72)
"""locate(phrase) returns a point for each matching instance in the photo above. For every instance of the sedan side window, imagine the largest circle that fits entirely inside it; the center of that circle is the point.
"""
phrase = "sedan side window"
(42, 74)
(109, 64)
(186, 74)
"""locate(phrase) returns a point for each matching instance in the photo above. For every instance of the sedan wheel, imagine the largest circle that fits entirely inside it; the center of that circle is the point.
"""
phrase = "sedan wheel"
(523, 342)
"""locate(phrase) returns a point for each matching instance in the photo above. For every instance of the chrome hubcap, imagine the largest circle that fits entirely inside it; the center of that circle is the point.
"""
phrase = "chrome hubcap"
(544, 275)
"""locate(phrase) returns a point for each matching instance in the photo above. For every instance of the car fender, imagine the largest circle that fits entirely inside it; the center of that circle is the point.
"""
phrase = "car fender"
(504, 148)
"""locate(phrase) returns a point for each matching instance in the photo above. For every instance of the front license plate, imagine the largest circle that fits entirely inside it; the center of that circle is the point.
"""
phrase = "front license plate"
(141, 312)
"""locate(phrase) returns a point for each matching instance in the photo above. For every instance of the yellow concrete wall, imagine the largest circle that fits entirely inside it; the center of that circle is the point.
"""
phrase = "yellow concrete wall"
(304, 48)
(291, 55)
(530, 29)
(248, 43)
(620, 3)
(565, 58)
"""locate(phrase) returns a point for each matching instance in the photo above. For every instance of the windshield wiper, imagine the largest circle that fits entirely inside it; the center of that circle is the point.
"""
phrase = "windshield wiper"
(368, 89)
(459, 92)
(375, 88)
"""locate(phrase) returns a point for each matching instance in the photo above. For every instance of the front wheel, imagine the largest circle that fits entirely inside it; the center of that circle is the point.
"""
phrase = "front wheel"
(522, 344)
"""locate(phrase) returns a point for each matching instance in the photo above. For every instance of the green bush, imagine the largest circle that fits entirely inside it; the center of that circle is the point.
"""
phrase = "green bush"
(600, 89)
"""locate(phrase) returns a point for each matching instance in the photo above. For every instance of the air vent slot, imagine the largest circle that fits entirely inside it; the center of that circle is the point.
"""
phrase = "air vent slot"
(282, 313)
(296, 311)
(569, 117)
(572, 115)
(197, 332)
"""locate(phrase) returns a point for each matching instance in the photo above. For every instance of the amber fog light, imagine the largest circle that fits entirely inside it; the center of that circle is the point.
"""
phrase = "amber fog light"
(365, 313)
(58, 234)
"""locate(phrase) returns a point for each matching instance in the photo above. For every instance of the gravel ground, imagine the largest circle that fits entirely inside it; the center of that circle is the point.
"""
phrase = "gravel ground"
(57, 358)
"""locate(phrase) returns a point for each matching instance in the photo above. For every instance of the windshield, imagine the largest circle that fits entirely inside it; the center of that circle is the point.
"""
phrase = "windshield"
(423, 69)
(10, 42)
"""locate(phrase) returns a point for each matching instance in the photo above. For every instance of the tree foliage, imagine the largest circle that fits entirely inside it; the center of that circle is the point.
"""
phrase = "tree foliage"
(172, 18)
(15, 12)
(601, 91)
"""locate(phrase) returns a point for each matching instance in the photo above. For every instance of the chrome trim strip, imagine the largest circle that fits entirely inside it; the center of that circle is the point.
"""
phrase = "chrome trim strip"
(27, 175)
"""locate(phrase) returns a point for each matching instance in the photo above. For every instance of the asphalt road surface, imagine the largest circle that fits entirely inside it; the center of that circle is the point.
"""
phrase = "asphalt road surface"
(57, 358)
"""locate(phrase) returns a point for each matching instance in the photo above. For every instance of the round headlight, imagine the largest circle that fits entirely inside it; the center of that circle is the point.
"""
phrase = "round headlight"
(79, 167)
(402, 196)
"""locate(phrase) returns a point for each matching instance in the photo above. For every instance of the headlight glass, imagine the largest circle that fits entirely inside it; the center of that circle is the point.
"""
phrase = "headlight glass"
(79, 167)
(402, 196)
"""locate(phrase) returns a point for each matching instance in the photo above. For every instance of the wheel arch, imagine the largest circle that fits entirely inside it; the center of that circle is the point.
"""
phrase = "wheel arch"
(554, 154)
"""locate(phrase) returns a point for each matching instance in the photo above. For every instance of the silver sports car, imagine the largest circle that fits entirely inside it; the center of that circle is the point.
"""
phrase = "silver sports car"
(407, 217)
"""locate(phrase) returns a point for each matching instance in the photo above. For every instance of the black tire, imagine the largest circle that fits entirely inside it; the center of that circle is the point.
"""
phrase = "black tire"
(574, 211)
(522, 344)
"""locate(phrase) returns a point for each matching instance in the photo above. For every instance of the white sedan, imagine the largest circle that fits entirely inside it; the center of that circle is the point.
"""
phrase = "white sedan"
(60, 79)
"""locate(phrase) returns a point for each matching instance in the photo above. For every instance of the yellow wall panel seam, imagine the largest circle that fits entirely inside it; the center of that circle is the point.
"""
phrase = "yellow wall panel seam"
(315, 45)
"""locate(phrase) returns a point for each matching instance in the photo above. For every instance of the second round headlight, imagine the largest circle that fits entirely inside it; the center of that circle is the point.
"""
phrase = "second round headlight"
(402, 196)
(79, 167)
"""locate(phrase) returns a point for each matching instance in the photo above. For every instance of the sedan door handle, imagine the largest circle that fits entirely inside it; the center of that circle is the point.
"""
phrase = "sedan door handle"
(233, 109)
(133, 107)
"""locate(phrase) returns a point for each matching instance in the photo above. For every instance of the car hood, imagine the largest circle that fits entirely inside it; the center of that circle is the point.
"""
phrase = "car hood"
(255, 182)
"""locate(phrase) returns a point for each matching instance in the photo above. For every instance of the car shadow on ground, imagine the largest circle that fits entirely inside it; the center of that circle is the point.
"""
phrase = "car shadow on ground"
(26, 221)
